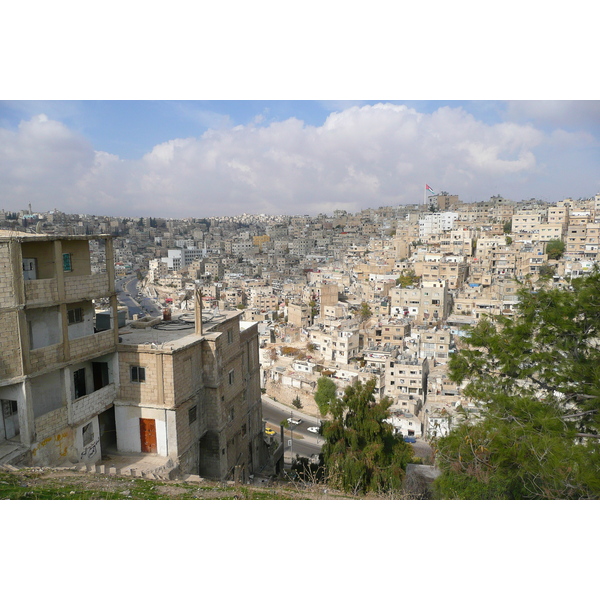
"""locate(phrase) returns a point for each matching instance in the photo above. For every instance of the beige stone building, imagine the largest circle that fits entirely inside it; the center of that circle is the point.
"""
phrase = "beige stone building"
(431, 302)
(193, 394)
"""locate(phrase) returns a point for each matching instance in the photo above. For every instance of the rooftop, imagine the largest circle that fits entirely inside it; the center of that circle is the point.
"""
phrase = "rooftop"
(177, 333)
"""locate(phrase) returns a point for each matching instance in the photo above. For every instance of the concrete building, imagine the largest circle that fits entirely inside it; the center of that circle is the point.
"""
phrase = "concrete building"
(74, 386)
(58, 369)
(193, 395)
(429, 303)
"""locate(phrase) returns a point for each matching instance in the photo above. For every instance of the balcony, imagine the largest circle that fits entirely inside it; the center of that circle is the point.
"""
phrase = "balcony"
(43, 357)
(86, 286)
(41, 291)
(92, 345)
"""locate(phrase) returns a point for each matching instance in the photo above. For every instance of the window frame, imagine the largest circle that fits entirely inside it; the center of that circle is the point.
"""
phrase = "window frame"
(67, 258)
(137, 374)
(77, 312)
(79, 383)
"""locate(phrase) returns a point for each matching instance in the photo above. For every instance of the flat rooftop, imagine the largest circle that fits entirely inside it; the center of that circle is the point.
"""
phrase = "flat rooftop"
(177, 333)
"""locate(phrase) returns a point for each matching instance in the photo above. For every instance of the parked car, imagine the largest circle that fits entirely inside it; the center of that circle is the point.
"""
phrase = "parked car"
(410, 439)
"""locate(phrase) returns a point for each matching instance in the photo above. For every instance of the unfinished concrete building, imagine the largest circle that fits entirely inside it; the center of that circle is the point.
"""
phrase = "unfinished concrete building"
(58, 366)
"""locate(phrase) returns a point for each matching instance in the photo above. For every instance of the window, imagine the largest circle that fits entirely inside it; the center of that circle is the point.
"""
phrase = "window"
(75, 315)
(87, 434)
(79, 382)
(229, 336)
(231, 414)
(67, 262)
(244, 430)
(138, 374)
(231, 377)
(192, 414)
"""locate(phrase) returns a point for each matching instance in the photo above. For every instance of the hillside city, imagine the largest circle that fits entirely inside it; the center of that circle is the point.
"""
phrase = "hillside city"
(383, 294)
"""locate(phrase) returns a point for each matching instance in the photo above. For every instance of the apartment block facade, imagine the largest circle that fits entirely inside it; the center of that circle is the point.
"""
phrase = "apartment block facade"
(58, 367)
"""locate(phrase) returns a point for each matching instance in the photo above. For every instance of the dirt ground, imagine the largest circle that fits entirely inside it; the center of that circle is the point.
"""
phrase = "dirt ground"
(57, 484)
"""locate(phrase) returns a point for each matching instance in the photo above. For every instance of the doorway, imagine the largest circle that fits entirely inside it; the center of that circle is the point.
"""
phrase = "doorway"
(148, 435)
(10, 416)
(108, 430)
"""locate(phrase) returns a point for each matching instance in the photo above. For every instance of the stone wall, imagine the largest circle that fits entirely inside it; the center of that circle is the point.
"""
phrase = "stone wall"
(86, 286)
(10, 351)
(92, 345)
(86, 407)
(41, 291)
(42, 357)
(7, 292)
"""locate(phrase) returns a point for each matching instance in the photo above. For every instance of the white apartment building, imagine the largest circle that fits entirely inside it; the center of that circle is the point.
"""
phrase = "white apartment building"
(434, 223)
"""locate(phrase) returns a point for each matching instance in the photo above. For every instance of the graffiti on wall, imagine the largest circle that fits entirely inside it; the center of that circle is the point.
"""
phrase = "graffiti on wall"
(90, 451)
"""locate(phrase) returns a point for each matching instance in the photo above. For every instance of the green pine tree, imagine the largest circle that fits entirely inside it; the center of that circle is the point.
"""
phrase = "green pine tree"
(537, 380)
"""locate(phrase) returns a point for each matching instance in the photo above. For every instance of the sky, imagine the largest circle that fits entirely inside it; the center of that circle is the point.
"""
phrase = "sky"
(222, 158)
(225, 113)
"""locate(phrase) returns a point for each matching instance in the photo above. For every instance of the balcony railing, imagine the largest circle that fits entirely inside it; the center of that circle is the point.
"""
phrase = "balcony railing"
(41, 291)
(92, 345)
(86, 286)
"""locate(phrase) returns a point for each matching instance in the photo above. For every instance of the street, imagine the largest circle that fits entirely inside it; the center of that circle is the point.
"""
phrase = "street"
(304, 443)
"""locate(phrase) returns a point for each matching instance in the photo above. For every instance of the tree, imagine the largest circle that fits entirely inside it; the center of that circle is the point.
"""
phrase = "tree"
(507, 227)
(546, 271)
(364, 312)
(537, 380)
(326, 394)
(361, 452)
(407, 278)
(555, 249)
(297, 402)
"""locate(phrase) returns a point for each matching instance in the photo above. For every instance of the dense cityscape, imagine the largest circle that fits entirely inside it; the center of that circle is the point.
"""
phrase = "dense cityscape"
(379, 300)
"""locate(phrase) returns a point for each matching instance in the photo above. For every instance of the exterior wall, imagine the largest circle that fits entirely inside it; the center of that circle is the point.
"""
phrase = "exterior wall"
(127, 420)
(41, 291)
(36, 359)
(151, 391)
(11, 364)
(47, 393)
(87, 407)
(55, 440)
(89, 286)
(92, 345)
(45, 327)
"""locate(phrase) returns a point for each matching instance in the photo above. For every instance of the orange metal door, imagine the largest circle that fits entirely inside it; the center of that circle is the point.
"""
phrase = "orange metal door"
(148, 435)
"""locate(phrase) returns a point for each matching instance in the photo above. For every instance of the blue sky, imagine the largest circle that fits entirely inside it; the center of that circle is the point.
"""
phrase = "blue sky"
(132, 128)
(208, 158)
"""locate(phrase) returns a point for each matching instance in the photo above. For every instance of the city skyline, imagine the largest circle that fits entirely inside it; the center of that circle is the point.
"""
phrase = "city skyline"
(222, 158)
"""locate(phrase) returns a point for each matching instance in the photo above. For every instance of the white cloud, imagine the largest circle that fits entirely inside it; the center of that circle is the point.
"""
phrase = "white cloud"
(372, 155)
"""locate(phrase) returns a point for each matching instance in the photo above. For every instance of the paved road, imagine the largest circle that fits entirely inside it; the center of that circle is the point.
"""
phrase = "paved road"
(136, 305)
(305, 443)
